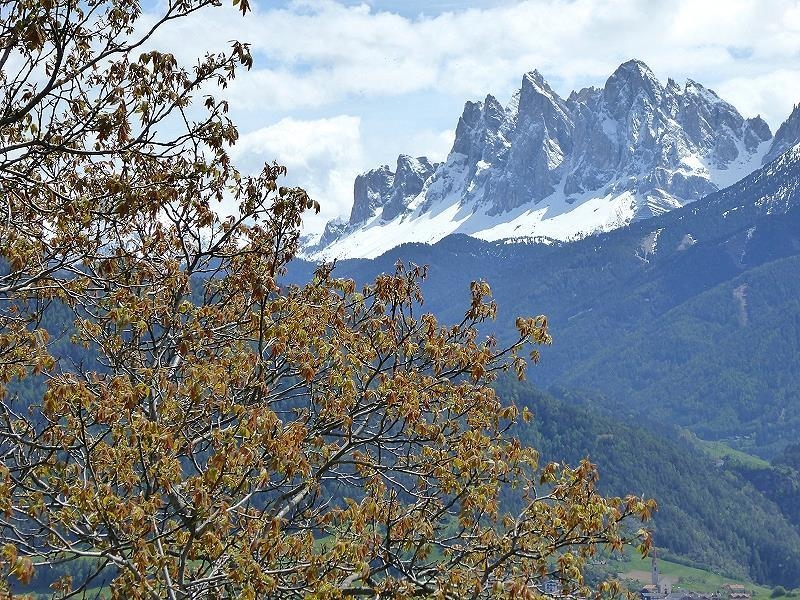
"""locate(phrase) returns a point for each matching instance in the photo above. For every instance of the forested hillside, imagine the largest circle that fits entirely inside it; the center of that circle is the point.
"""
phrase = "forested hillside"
(709, 514)
(723, 363)
(687, 325)
(691, 318)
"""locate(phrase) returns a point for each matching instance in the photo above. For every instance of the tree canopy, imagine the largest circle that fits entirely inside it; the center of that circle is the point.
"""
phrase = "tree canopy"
(224, 435)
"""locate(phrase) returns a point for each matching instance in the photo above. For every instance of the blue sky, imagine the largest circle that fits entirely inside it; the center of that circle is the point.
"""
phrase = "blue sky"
(343, 86)
(422, 8)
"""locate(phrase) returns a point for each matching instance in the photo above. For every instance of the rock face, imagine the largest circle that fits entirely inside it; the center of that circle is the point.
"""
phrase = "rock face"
(787, 136)
(381, 191)
(545, 166)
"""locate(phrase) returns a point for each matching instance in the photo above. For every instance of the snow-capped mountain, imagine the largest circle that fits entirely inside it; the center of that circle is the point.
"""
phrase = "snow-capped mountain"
(548, 168)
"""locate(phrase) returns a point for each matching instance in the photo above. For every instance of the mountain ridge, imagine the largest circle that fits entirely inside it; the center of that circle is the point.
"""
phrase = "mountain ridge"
(601, 289)
(542, 166)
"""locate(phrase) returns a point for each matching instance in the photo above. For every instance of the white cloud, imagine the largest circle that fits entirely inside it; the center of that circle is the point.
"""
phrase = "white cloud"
(433, 144)
(317, 59)
(314, 53)
(771, 95)
(321, 155)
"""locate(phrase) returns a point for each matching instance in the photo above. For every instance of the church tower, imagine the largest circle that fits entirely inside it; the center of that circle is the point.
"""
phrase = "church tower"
(654, 571)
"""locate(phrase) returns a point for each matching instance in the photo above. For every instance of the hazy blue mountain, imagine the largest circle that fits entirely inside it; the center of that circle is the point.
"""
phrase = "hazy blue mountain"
(691, 317)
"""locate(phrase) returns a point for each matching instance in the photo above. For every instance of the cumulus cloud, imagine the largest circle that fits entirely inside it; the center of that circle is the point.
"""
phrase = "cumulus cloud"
(433, 144)
(321, 155)
(313, 53)
(319, 58)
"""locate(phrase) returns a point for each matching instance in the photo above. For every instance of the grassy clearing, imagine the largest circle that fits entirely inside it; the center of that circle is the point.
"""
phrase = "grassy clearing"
(722, 451)
(686, 578)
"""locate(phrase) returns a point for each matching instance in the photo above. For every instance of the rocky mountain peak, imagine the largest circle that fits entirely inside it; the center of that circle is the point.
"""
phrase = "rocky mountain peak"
(493, 113)
(582, 96)
(535, 81)
(637, 67)
(537, 97)
(673, 86)
(469, 125)
(409, 177)
(787, 136)
(632, 81)
(545, 166)
(370, 193)
(381, 193)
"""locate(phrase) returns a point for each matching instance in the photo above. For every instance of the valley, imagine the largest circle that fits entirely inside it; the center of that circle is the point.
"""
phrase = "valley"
(489, 300)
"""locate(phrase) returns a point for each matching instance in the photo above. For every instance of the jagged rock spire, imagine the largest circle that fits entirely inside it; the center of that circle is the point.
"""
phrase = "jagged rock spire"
(542, 165)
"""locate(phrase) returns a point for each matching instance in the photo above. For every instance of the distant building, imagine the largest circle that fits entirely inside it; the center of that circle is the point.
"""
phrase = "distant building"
(650, 592)
(736, 591)
(658, 589)
(661, 589)
(553, 589)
